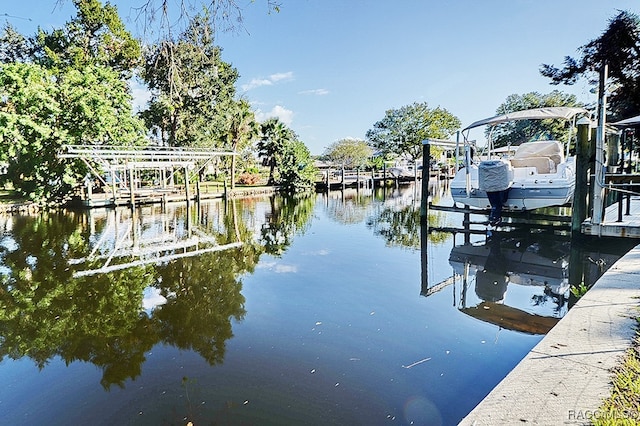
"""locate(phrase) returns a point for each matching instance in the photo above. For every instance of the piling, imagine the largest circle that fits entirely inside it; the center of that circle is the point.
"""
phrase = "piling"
(426, 166)
(579, 210)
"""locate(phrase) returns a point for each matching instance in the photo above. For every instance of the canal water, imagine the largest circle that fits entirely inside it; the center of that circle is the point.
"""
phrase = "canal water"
(338, 308)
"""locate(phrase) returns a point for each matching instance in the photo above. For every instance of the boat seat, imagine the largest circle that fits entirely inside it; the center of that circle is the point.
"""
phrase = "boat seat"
(542, 164)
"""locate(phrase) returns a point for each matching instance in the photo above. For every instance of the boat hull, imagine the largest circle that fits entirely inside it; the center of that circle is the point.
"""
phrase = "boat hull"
(520, 199)
(529, 191)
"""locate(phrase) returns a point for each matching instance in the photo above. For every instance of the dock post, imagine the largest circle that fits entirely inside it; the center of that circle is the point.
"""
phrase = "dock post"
(598, 189)
(132, 199)
(426, 159)
(579, 208)
(186, 183)
(198, 189)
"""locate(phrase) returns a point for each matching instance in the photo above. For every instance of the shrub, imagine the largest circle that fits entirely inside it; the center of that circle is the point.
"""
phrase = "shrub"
(248, 179)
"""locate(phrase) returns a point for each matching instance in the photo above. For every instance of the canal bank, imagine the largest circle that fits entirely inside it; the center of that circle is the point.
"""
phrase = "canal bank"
(567, 375)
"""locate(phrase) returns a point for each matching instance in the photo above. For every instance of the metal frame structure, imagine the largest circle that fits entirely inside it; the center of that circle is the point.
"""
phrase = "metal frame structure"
(123, 165)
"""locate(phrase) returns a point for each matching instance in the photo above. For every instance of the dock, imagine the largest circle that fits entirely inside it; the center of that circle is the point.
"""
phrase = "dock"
(621, 219)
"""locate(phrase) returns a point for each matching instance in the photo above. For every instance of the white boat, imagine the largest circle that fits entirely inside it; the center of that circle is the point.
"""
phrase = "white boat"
(539, 173)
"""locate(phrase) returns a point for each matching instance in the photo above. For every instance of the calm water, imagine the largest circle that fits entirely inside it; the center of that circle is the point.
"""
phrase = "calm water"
(322, 310)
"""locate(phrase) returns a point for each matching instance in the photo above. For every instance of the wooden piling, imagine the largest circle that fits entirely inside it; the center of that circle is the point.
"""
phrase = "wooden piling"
(132, 199)
(583, 153)
(426, 166)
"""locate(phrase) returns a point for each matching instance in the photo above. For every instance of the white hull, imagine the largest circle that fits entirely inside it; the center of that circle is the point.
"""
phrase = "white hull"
(530, 190)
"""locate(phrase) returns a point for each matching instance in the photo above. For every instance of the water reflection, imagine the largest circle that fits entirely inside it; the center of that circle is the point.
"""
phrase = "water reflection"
(73, 283)
(537, 268)
(490, 267)
(267, 311)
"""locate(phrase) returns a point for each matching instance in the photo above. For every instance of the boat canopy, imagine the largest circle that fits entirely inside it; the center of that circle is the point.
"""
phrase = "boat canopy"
(566, 113)
(628, 122)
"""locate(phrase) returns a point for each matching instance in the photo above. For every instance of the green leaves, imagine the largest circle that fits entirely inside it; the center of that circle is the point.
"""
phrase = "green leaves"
(402, 131)
(190, 87)
(349, 153)
(516, 132)
(618, 47)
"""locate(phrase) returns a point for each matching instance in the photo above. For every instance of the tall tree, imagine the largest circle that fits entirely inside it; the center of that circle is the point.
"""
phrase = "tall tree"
(40, 112)
(65, 87)
(95, 36)
(402, 130)
(297, 171)
(243, 130)
(619, 48)
(275, 136)
(15, 47)
(516, 132)
(190, 85)
(349, 153)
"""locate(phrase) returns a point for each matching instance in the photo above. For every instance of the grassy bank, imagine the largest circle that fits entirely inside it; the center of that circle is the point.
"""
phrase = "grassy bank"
(622, 407)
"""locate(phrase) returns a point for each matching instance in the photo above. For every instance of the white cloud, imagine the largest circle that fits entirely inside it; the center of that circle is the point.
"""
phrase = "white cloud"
(278, 267)
(281, 76)
(285, 115)
(152, 299)
(269, 81)
(318, 92)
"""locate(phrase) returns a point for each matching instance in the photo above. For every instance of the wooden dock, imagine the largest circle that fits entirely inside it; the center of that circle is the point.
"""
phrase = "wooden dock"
(621, 219)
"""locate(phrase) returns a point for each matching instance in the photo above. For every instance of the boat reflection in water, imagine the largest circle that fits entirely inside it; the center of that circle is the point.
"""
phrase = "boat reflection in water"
(536, 269)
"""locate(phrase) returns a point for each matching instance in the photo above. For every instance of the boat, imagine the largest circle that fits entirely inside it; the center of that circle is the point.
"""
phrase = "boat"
(540, 173)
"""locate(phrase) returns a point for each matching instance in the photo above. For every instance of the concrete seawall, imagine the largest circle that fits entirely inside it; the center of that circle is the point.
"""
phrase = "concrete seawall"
(566, 376)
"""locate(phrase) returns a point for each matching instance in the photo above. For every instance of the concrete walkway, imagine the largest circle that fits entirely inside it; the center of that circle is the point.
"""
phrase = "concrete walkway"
(565, 377)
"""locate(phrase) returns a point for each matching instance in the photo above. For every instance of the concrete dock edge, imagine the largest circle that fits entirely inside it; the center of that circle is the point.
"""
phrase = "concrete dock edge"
(566, 376)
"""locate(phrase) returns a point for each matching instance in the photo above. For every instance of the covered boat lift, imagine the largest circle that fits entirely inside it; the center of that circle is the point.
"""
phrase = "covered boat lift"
(118, 169)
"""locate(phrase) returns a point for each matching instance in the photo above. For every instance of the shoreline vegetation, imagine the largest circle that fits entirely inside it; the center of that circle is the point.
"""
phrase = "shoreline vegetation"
(622, 407)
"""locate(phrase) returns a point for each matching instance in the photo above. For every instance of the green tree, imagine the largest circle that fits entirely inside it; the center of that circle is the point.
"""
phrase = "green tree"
(402, 130)
(349, 153)
(69, 86)
(40, 112)
(242, 131)
(516, 132)
(619, 48)
(275, 136)
(289, 160)
(297, 171)
(15, 47)
(190, 86)
(95, 36)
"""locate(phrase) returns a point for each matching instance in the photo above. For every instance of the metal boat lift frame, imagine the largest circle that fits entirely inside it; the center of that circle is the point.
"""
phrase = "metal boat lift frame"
(122, 164)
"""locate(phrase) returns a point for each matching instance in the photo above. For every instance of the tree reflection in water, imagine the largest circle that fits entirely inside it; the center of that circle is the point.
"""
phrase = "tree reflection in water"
(49, 309)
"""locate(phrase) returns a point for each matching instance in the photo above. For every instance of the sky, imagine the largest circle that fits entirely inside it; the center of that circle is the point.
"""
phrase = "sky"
(330, 69)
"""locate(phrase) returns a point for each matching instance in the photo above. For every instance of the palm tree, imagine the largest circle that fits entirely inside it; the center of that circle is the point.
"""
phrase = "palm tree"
(243, 129)
(275, 137)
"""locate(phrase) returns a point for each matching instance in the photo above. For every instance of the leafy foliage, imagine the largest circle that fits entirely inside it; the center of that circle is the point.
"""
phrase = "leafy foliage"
(402, 131)
(516, 132)
(619, 48)
(95, 36)
(190, 88)
(349, 153)
(40, 112)
(289, 160)
(64, 87)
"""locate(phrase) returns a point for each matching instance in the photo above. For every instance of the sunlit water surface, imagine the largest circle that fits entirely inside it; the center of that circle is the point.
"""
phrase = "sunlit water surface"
(266, 311)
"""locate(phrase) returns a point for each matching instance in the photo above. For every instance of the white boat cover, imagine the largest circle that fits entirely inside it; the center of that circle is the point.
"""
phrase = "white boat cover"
(565, 113)
(494, 176)
(550, 149)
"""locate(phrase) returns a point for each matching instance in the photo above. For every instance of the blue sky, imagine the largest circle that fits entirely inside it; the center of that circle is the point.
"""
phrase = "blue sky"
(331, 68)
